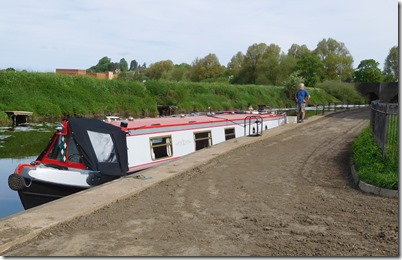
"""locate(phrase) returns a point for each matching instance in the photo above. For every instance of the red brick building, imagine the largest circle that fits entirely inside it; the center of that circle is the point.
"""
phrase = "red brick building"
(104, 75)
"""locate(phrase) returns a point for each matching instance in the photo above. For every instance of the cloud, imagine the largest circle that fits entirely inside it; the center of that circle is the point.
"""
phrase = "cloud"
(44, 35)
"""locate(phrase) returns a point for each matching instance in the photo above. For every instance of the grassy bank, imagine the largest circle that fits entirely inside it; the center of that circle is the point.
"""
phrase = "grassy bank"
(55, 95)
(50, 95)
(190, 96)
(370, 166)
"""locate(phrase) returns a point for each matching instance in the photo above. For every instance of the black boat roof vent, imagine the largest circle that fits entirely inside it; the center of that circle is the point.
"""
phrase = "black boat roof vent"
(123, 124)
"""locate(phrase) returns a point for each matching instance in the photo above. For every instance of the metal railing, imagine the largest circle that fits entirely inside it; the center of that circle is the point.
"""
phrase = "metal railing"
(384, 124)
(256, 129)
(321, 108)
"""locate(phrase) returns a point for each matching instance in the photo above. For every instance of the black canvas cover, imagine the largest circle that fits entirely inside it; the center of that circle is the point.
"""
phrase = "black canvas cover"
(102, 145)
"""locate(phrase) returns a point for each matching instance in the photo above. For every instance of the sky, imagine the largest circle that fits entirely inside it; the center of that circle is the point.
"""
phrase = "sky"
(43, 35)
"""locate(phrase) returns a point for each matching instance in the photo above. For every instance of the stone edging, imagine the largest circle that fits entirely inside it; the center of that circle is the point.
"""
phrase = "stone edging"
(371, 188)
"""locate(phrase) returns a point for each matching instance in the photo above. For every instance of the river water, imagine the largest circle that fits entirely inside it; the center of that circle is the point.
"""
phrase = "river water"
(9, 200)
(19, 145)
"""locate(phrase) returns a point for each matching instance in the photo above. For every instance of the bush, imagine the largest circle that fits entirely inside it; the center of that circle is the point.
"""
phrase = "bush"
(370, 166)
(292, 84)
(346, 93)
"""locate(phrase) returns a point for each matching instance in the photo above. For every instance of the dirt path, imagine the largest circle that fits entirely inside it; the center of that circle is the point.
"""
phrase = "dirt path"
(290, 195)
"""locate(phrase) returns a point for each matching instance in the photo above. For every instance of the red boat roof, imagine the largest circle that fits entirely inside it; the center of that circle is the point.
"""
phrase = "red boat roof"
(142, 123)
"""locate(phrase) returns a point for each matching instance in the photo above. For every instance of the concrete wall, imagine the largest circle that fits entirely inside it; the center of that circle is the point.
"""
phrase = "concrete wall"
(389, 91)
(384, 91)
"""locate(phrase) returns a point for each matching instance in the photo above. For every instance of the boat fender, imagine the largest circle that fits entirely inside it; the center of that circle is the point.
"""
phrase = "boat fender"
(94, 178)
(16, 182)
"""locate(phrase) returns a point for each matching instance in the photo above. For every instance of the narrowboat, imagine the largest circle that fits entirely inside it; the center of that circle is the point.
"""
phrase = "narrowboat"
(86, 152)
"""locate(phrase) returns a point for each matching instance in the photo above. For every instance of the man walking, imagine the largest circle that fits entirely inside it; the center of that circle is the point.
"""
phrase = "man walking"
(302, 96)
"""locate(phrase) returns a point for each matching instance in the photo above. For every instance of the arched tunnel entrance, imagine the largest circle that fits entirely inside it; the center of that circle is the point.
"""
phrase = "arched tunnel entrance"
(395, 99)
(384, 91)
(372, 96)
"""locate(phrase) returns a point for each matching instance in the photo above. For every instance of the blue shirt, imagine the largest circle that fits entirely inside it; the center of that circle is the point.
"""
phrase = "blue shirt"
(301, 95)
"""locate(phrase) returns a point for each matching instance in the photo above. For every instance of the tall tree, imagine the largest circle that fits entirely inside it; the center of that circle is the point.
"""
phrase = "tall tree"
(157, 69)
(235, 66)
(368, 71)
(391, 66)
(268, 65)
(123, 64)
(286, 66)
(133, 65)
(180, 71)
(296, 50)
(114, 66)
(310, 67)
(336, 59)
(102, 66)
(254, 54)
(208, 67)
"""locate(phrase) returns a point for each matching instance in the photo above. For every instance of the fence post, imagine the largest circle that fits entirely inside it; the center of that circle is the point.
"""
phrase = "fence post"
(385, 133)
(383, 122)
(372, 115)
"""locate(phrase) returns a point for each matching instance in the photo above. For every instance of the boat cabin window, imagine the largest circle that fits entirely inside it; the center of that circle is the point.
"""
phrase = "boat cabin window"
(202, 140)
(230, 133)
(58, 151)
(73, 154)
(103, 146)
(161, 147)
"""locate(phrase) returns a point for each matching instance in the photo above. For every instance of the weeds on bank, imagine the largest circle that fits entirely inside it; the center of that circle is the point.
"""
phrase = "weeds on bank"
(370, 166)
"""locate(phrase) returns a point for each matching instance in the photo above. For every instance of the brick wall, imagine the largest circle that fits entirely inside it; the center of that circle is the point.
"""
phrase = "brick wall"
(105, 75)
(71, 71)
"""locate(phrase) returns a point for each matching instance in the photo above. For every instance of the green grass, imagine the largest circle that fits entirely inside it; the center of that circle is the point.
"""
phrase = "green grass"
(370, 166)
(52, 96)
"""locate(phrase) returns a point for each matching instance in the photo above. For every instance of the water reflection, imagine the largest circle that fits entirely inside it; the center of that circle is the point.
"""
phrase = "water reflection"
(19, 145)
(25, 141)
(9, 200)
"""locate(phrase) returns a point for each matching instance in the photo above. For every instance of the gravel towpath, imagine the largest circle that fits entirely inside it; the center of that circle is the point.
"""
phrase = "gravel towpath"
(287, 195)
